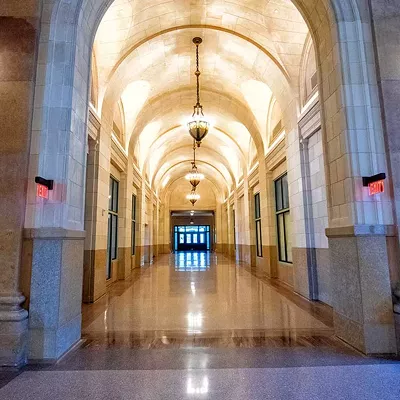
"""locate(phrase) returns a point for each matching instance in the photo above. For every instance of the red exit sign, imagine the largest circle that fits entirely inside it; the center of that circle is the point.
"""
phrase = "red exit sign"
(42, 191)
(376, 187)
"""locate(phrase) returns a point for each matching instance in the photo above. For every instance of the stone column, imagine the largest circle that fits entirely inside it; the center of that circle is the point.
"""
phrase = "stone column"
(295, 174)
(167, 228)
(56, 291)
(157, 238)
(363, 311)
(163, 237)
(246, 216)
(90, 222)
(252, 226)
(18, 37)
(153, 230)
(124, 223)
(231, 231)
(224, 229)
(141, 216)
(308, 284)
(236, 230)
(218, 244)
(359, 224)
(98, 181)
(386, 30)
(270, 255)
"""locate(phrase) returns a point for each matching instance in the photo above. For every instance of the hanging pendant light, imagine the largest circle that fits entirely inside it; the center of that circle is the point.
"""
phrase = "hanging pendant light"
(193, 196)
(198, 128)
(194, 177)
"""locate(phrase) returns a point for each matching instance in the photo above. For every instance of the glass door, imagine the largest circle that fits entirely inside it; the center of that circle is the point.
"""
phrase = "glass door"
(192, 238)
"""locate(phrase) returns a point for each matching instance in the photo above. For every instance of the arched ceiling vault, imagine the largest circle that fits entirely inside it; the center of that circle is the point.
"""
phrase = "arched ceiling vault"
(145, 58)
(222, 55)
(170, 173)
(168, 190)
(176, 107)
(206, 155)
(275, 25)
(177, 135)
(221, 146)
(240, 73)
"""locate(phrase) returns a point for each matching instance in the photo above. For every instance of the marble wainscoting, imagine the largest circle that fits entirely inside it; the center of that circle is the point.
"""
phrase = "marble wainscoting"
(268, 263)
(125, 260)
(361, 287)
(228, 250)
(233, 250)
(138, 256)
(285, 274)
(164, 248)
(244, 251)
(311, 273)
(225, 249)
(146, 254)
(299, 272)
(94, 282)
(55, 291)
(253, 255)
(324, 279)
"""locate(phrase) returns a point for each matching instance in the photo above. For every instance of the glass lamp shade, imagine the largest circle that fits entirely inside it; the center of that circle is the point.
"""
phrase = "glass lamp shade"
(198, 129)
(194, 178)
(193, 197)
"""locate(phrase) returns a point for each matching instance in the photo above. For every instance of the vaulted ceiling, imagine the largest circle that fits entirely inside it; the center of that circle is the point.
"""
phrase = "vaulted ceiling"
(144, 60)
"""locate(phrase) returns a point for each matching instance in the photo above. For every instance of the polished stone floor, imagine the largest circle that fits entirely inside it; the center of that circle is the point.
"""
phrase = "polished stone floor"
(197, 326)
(198, 298)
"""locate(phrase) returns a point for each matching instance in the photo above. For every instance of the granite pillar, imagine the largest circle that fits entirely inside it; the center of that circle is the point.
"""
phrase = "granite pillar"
(362, 298)
(55, 292)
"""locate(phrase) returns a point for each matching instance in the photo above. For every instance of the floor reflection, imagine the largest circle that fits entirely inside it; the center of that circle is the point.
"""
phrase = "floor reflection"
(198, 294)
(197, 385)
(192, 261)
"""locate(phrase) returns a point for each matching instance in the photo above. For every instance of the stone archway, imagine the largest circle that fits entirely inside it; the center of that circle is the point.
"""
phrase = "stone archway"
(351, 121)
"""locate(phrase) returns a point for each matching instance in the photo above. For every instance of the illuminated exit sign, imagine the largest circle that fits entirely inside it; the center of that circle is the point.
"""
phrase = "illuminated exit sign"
(376, 187)
(42, 191)
(375, 183)
(43, 186)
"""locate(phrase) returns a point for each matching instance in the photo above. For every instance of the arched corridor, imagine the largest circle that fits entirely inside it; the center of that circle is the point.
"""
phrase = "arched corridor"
(291, 238)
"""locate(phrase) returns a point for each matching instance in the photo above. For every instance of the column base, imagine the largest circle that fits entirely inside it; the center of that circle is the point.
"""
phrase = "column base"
(13, 331)
(48, 345)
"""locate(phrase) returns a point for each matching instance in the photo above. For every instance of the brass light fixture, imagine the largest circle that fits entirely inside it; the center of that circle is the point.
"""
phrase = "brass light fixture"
(193, 196)
(194, 177)
(198, 128)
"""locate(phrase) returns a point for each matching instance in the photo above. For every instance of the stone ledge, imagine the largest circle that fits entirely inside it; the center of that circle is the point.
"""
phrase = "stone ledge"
(361, 230)
(53, 233)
